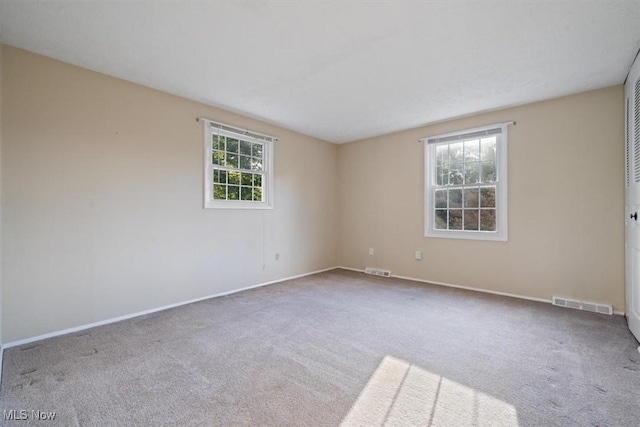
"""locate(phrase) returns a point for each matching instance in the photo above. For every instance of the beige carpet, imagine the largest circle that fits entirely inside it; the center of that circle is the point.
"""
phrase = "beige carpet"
(336, 348)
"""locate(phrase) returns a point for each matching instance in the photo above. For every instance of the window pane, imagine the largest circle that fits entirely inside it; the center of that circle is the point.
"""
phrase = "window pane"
(223, 176)
(233, 192)
(488, 219)
(456, 174)
(471, 173)
(247, 179)
(488, 197)
(245, 162)
(455, 153)
(219, 192)
(441, 178)
(257, 194)
(442, 155)
(471, 219)
(216, 142)
(222, 143)
(256, 164)
(256, 150)
(232, 160)
(232, 145)
(471, 197)
(246, 193)
(455, 219)
(216, 176)
(441, 219)
(488, 149)
(441, 199)
(218, 158)
(234, 178)
(472, 150)
(488, 172)
(245, 148)
(257, 180)
(455, 198)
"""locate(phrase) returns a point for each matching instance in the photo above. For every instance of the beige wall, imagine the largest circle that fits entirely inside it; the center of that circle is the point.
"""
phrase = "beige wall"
(102, 190)
(566, 227)
(102, 194)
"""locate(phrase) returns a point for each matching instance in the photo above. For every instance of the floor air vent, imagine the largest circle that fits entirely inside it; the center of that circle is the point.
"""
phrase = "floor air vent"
(565, 302)
(377, 272)
(583, 305)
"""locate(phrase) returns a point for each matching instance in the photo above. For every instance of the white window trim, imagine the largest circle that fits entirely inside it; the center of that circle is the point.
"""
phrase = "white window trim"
(501, 233)
(214, 128)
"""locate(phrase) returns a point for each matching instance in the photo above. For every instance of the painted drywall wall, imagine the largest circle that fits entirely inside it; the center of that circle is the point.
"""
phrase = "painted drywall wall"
(566, 226)
(102, 190)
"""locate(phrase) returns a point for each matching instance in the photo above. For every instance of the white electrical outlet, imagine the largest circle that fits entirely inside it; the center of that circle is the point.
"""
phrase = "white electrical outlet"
(370, 251)
(277, 257)
(419, 255)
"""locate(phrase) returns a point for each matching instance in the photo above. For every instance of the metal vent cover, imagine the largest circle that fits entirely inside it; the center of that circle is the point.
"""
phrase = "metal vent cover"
(377, 272)
(582, 305)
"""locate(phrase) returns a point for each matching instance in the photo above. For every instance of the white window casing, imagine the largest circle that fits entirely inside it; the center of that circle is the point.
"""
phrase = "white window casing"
(462, 174)
(254, 180)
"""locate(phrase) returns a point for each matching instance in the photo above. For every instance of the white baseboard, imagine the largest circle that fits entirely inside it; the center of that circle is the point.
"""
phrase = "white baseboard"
(351, 269)
(145, 312)
(166, 307)
(469, 288)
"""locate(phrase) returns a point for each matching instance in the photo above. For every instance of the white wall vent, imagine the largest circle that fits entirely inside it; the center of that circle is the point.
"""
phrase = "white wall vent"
(597, 308)
(377, 272)
(566, 302)
(583, 305)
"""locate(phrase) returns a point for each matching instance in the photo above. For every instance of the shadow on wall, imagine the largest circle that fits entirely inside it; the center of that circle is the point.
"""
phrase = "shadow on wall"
(399, 393)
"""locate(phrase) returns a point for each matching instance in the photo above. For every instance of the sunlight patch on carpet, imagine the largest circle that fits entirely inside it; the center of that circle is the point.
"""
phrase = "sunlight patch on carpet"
(399, 393)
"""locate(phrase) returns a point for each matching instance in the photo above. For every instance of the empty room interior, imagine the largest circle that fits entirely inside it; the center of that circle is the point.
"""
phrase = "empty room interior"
(320, 213)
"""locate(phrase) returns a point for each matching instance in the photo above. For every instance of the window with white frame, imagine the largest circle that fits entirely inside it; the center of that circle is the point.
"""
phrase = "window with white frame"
(238, 168)
(466, 184)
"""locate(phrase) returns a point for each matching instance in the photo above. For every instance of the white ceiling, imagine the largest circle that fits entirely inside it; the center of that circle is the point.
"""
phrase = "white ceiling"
(340, 71)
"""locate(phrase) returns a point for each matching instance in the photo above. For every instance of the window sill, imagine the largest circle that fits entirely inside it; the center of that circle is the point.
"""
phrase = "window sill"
(237, 205)
(480, 235)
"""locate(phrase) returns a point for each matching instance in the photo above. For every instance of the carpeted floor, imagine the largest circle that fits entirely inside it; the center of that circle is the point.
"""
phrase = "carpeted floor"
(337, 347)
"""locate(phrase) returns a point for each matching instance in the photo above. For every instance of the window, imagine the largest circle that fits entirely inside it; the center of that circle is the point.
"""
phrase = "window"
(238, 168)
(466, 184)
